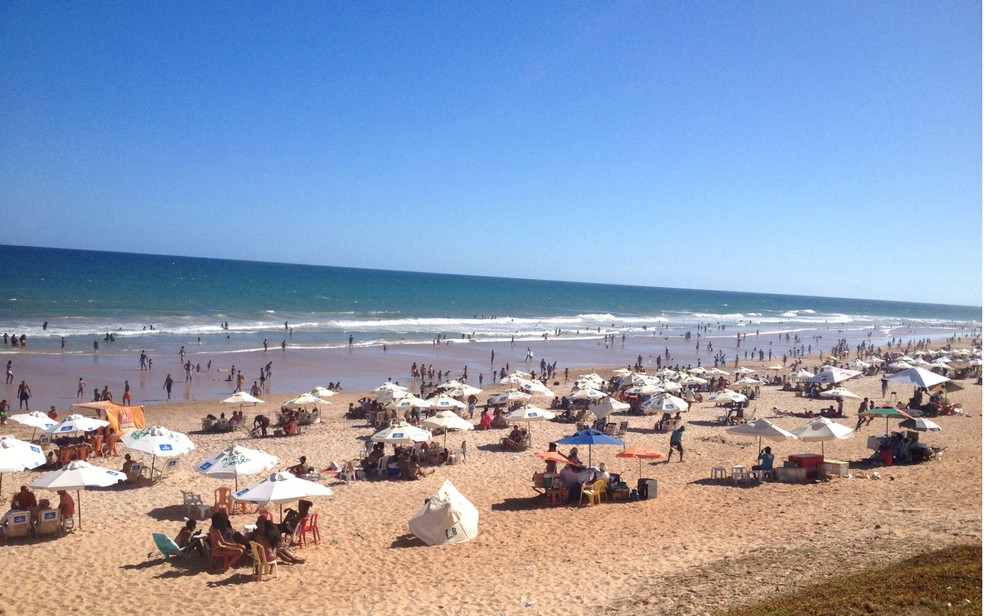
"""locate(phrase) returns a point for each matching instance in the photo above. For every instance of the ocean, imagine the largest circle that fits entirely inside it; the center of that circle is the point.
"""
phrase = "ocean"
(161, 303)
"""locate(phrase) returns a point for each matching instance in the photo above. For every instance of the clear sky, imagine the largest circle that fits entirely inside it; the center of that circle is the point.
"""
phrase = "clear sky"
(788, 147)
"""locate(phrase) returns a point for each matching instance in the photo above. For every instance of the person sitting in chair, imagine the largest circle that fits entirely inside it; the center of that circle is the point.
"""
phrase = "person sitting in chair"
(224, 540)
(293, 518)
(514, 440)
(24, 500)
(766, 460)
(189, 538)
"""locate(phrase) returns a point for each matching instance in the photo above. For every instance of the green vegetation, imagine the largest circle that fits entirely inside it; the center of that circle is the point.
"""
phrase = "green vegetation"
(946, 581)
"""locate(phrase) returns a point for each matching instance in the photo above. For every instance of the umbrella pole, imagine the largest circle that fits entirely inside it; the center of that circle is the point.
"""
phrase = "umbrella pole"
(78, 497)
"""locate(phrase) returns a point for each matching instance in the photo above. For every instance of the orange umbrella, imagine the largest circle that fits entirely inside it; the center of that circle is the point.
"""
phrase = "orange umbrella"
(552, 456)
(640, 452)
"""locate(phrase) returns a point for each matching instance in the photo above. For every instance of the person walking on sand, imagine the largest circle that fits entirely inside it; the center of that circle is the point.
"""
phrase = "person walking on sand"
(23, 395)
(126, 393)
(168, 383)
(10, 371)
(80, 393)
(676, 442)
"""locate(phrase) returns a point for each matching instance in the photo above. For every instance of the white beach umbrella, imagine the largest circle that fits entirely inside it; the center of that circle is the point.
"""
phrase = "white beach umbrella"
(304, 400)
(280, 488)
(606, 406)
(587, 394)
(860, 364)
(401, 434)
(697, 370)
(726, 395)
(775, 367)
(158, 441)
(831, 375)
(917, 377)
(669, 386)
(644, 390)
(716, 372)
(74, 424)
(665, 403)
(446, 403)
(897, 366)
(17, 456)
(322, 392)
(392, 394)
(529, 413)
(748, 381)
(234, 461)
(446, 421)
(763, 429)
(77, 475)
(34, 419)
(822, 429)
(241, 398)
(838, 392)
(921, 424)
(462, 391)
(692, 380)
(389, 386)
(409, 402)
(801, 374)
(876, 360)
(510, 396)
(744, 370)
(536, 387)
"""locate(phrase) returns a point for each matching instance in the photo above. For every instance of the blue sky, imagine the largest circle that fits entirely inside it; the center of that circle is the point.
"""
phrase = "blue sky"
(789, 147)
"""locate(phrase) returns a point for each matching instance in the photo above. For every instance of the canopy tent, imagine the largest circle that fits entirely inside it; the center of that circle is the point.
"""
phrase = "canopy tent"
(447, 517)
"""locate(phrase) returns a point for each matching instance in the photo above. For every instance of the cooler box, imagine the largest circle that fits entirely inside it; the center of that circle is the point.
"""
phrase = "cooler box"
(875, 442)
(809, 461)
(647, 489)
(833, 468)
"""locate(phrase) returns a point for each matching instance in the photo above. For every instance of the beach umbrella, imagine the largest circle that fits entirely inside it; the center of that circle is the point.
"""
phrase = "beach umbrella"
(838, 392)
(304, 400)
(445, 403)
(665, 403)
(917, 377)
(280, 488)
(640, 453)
(17, 455)
(234, 461)
(716, 372)
(589, 437)
(447, 517)
(389, 386)
(860, 364)
(529, 414)
(587, 394)
(322, 392)
(241, 398)
(830, 375)
(694, 380)
(447, 420)
(644, 390)
(606, 406)
(726, 395)
(748, 381)
(888, 412)
(763, 429)
(392, 394)
(401, 434)
(409, 402)
(536, 387)
(34, 419)
(921, 424)
(898, 366)
(553, 456)
(822, 429)
(158, 442)
(510, 396)
(744, 370)
(74, 424)
(462, 391)
(697, 370)
(801, 374)
(77, 475)
(775, 367)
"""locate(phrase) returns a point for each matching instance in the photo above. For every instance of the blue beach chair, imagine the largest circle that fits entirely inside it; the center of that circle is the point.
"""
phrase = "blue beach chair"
(167, 546)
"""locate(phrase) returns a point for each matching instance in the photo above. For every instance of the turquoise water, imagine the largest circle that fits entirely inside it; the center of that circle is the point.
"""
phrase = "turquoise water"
(85, 294)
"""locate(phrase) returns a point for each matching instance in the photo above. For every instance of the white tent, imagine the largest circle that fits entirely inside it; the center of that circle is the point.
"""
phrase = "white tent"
(448, 517)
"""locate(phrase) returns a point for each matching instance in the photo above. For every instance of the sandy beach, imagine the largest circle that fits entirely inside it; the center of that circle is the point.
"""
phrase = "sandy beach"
(701, 545)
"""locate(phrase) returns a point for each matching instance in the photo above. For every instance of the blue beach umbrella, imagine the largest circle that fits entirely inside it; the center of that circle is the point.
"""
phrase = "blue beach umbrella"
(589, 437)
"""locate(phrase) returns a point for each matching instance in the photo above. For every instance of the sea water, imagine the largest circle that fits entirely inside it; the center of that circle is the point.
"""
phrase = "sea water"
(217, 308)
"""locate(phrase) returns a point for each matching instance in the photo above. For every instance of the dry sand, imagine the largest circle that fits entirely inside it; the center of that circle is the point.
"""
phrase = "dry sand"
(698, 547)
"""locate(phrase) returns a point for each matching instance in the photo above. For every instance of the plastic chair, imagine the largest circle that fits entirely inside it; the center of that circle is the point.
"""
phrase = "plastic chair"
(309, 526)
(227, 553)
(266, 513)
(261, 565)
(592, 491)
(222, 500)
(135, 473)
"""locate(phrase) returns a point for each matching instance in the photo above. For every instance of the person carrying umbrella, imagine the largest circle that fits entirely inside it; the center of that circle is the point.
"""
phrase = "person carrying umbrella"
(676, 442)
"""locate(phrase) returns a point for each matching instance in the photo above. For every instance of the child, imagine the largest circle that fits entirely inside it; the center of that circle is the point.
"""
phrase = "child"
(464, 451)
